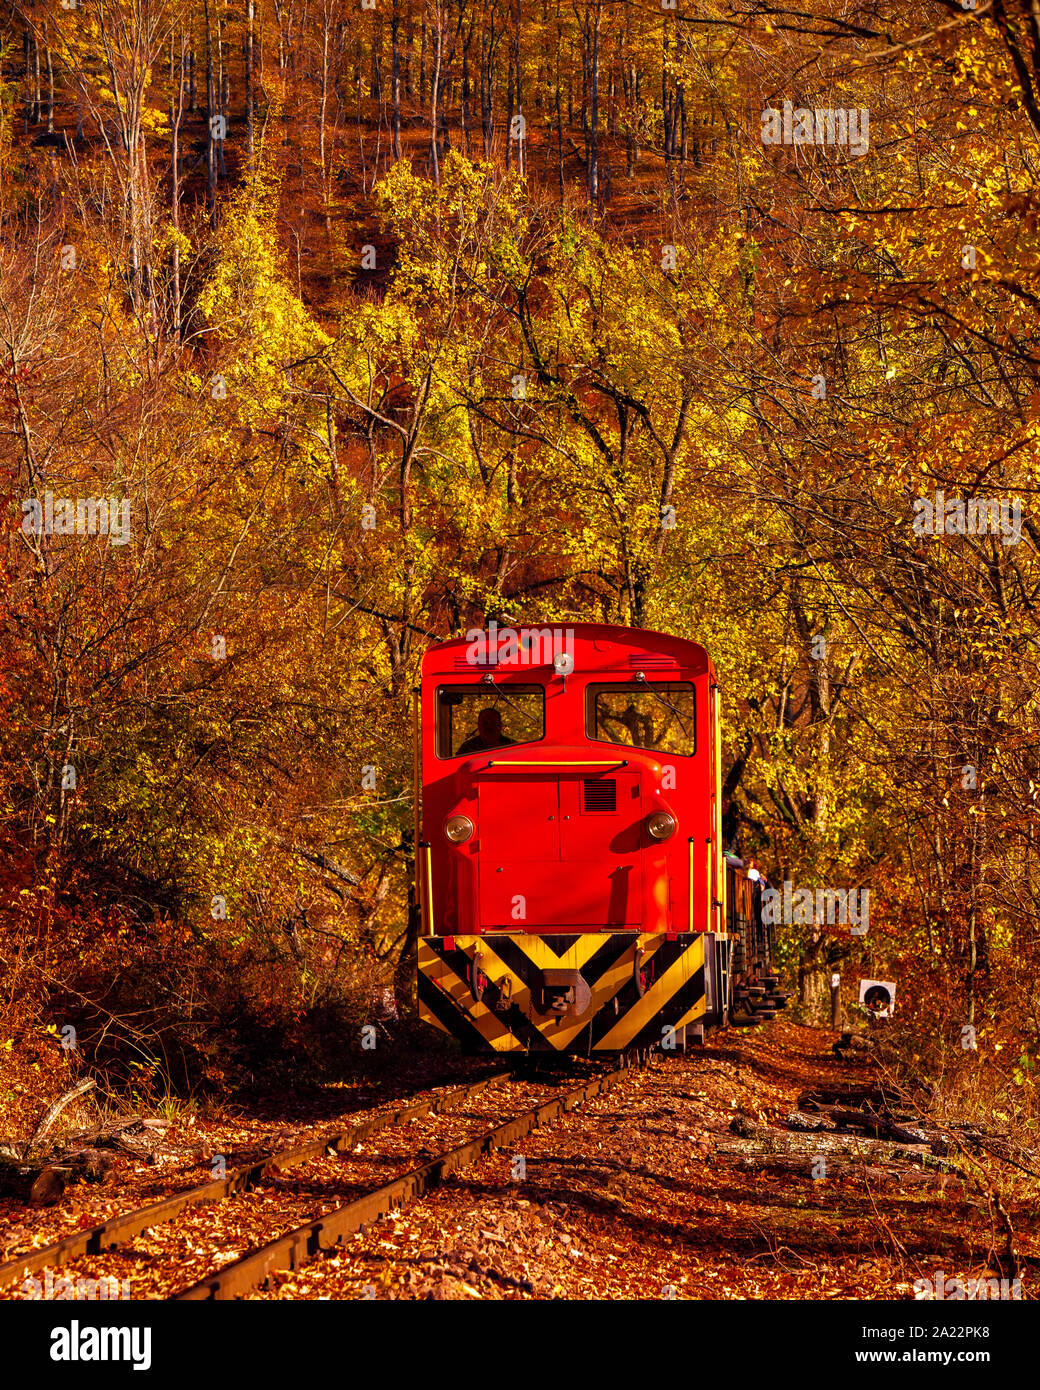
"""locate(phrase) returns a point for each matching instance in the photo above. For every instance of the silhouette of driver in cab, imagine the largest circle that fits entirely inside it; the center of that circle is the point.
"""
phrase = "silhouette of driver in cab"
(489, 734)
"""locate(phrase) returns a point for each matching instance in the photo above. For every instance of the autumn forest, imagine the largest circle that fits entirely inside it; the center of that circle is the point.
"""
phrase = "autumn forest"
(366, 322)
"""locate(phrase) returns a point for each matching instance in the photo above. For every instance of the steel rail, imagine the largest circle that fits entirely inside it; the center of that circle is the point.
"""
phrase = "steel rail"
(117, 1230)
(299, 1247)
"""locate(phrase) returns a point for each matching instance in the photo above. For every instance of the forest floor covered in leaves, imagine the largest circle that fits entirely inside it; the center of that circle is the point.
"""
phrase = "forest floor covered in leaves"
(645, 1193)
(188, 1144)
(685, 1180)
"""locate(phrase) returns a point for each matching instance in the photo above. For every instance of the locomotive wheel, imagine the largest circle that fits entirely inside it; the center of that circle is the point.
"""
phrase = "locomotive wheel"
(639, 976)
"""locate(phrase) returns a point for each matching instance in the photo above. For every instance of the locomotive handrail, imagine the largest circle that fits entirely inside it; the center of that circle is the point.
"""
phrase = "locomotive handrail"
(707, 885)
(427, 894)
(416, 797)
(692, 923)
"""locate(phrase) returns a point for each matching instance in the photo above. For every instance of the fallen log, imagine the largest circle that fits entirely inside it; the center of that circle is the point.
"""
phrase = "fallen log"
(759, 1142)
(905, 1127)
(802, 1165)
(55, 1108)
(884, 1126)
(842, 1095)
(92, 1165)
(140, 1138)
(871, 1111)
(810, 1124)
(110, 1131)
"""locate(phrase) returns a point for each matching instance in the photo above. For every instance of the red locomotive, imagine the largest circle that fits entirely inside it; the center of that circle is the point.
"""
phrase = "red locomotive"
(574, 891)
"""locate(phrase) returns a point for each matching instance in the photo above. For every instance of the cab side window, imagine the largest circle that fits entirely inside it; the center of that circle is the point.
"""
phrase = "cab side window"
(656, 715)
(474, 719)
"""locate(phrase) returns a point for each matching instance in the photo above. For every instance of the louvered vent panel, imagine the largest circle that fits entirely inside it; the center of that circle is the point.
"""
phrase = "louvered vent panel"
(462, 664)
(599, 795)
(648, 661)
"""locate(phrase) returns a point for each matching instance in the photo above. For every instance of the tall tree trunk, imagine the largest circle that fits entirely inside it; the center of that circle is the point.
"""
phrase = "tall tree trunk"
(486, 81)
(682, 134)
(250, 14)
(509, 116)
(193, 86)
(176, 113)
(518, 94)
(422, 61)
(32, 78)
(409, 57)
(50, 89)
(323, 108)
(375, 85)
(464, 102)
(36, 101)
(27, 56)
(211, 154)
(559, 104)
(218, 89)
(395, 25)
(435, 84)
(592, 135)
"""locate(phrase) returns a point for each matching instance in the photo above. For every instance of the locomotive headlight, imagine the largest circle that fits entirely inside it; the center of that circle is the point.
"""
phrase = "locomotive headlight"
(458, 829)
(661, 825)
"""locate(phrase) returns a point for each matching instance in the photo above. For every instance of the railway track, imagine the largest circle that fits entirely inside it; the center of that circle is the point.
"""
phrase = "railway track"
(292, 1249)
(298, 1248)
(119, 1230)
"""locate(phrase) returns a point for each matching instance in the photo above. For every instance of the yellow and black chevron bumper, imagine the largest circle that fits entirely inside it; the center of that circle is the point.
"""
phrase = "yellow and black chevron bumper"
(582, 993)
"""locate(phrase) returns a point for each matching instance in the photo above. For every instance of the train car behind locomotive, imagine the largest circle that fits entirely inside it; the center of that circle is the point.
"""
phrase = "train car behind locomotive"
(572, 883)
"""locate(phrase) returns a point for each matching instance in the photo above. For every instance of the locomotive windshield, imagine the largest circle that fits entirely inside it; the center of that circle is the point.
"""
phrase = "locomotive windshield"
(659, 715)
(478, 718)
